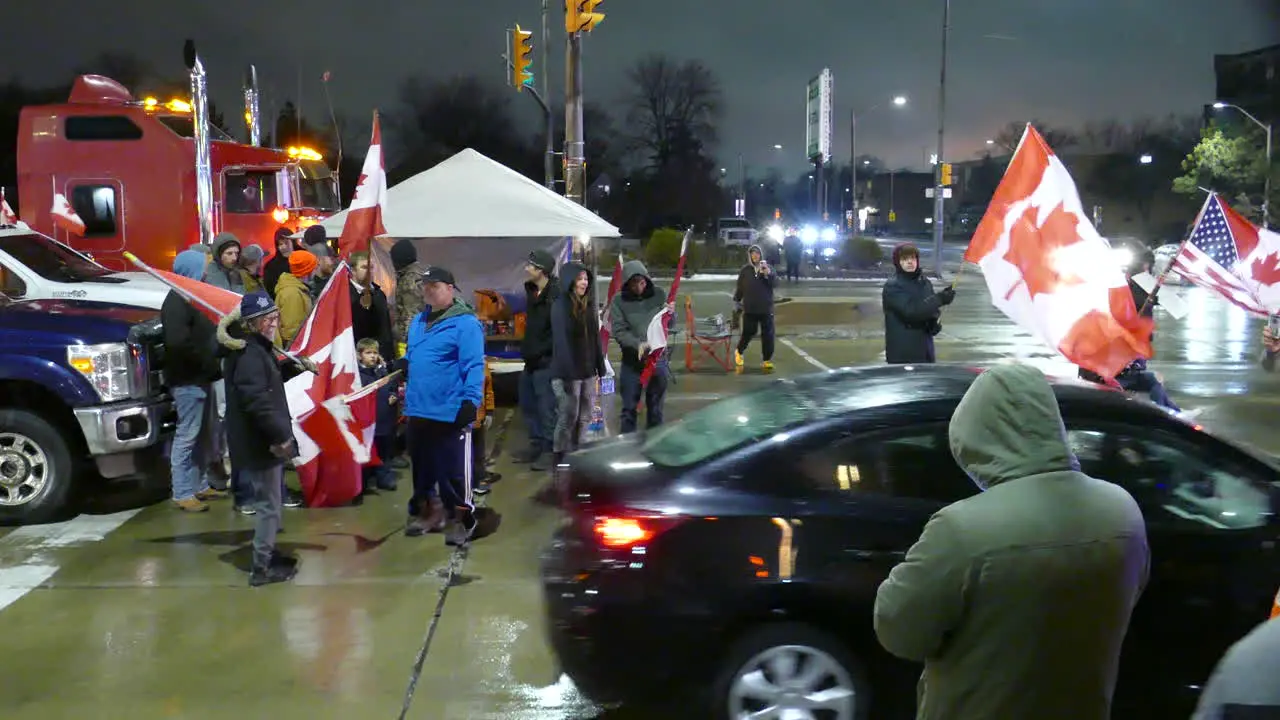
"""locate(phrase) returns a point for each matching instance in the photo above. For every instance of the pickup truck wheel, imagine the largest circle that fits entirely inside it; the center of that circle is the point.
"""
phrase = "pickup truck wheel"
(36, 469)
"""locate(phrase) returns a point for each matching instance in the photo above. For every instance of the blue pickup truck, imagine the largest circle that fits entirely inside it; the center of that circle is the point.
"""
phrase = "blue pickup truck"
(81, 397)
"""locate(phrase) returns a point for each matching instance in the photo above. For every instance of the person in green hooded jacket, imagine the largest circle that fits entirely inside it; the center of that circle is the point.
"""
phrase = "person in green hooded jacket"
(1017, 600)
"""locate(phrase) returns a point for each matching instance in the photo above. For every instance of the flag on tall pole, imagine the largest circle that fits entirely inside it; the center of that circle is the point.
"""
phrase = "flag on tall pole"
(65, 216)
(369, 205)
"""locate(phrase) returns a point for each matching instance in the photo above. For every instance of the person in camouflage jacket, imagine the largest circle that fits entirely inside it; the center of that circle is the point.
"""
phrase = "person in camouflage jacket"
(409, 301)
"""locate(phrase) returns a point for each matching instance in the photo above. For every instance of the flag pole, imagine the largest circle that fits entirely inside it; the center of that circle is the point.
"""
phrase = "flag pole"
(382, 382)
(1165, 273)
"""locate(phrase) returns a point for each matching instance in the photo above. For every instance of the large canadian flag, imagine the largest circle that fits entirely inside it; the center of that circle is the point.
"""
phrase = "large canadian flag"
(65, 216)
(331, 418)
(364, 216)
(1050, 271)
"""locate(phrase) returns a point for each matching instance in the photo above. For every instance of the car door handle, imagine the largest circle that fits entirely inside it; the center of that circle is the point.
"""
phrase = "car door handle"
(869, 555)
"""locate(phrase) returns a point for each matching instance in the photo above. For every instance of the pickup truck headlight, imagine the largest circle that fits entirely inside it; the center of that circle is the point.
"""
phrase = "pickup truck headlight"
(107, 367)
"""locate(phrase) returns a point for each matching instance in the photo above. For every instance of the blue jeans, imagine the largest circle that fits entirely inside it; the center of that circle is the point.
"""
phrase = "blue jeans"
(654, 394)
(538, 407)
(192, 441)
(1145, 381)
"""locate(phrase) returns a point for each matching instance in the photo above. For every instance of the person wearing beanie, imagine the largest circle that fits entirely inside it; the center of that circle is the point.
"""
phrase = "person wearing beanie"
(315, 242)
(224, 270)
(279, 263)
(537, 399)
(191, 370)
(409, 301)
(259, 425)
(293, 297)
(251, 268)
(911, 310)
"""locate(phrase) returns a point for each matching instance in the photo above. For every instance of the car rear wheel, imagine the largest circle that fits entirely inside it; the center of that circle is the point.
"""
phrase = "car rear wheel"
(35, 469)
(790, 671)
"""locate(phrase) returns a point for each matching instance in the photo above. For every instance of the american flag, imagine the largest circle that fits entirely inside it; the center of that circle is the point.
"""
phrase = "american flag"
(1209, 256)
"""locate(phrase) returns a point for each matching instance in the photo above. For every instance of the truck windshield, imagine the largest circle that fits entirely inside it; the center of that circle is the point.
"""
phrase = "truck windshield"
(252, 192)
(51, 260)
(316, 186)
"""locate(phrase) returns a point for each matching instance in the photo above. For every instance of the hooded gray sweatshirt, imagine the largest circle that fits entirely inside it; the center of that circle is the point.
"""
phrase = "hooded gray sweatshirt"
(1246, 683)
(630, 314)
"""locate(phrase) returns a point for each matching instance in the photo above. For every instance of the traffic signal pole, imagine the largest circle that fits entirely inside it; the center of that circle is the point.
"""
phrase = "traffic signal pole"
(574, 145)
(549, 155)
(939, 199)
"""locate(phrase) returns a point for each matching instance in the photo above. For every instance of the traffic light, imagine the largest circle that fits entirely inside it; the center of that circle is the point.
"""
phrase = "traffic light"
(581, 15)
(946, 174)
(521, 58)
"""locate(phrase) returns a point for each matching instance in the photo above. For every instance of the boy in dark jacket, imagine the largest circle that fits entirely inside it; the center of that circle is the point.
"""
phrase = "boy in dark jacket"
(259, 427)
(911, 310)
(754, 294)
(373, 369)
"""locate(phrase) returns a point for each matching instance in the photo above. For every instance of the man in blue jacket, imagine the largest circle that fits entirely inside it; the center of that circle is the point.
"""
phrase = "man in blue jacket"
(444, 362)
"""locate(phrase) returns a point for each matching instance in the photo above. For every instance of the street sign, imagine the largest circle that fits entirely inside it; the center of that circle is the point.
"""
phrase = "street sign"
(893, 216)
(818, 114)
(946, 192)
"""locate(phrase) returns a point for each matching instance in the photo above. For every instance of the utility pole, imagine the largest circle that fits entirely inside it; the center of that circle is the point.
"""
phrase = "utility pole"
(939, 202)
(549, 156)
(574, 146)
(742, 184)
(853, 166)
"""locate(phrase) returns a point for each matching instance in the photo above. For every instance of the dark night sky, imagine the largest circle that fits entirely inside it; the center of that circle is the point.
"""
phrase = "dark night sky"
(1064, 61)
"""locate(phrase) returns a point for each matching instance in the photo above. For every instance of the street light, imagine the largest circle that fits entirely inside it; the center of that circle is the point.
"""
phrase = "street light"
(898, 101)
(777, 147)
(1145, 159)
(1266, 178)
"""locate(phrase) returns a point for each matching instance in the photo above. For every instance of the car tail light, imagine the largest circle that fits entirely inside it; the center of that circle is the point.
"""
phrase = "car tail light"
(623, 531)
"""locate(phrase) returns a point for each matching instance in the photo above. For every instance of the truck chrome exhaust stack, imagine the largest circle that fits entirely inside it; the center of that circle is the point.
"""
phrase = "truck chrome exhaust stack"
(200, 121)
(252, 118)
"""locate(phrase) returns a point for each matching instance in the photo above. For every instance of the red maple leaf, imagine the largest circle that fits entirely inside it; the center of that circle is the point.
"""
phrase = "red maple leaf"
(1266, 269)
(329, 381)
(1032, 247)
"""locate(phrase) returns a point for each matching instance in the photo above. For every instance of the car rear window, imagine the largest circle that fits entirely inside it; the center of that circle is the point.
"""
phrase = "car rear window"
(727, 424)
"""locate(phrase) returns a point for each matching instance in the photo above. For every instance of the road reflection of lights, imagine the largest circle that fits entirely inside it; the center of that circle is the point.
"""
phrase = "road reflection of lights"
(146, 572)
(786, 555)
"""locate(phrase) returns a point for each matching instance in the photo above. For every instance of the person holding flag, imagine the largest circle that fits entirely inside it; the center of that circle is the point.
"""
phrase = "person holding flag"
(911, 310)
(444, 365)
(631, 313)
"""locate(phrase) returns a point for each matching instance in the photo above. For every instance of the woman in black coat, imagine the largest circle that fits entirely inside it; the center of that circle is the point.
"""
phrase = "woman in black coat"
(577, 357)
(911, 310)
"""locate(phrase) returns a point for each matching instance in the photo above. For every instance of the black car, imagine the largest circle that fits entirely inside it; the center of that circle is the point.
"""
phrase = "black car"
(747, 540)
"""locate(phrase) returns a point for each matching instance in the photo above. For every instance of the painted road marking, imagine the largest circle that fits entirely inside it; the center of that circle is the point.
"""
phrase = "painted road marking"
(804, 355)
(18, 580)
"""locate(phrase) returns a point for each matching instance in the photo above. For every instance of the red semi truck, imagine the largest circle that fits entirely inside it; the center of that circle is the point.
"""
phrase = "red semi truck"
(132, 170)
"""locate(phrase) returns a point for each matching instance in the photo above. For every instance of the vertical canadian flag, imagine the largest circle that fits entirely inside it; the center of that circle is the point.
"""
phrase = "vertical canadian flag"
(65, 217)
(364, 217)
(7, 215)
(330, 420)
(1049, 270)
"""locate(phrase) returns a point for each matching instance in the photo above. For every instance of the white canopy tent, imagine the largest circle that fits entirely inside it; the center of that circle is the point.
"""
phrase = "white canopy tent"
(479, 219)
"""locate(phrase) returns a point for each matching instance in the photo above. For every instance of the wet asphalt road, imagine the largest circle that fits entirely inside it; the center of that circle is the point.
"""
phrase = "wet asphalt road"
(144, 613)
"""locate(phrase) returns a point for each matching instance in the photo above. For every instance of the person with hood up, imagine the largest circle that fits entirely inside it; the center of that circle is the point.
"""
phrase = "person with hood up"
(293, 297)
(370, 316)
(754, 294)
(911, 310)
(444, 366)
(224, 271)
(259, 426)
(537, 399)
(279, 263)
(633, 308)
(190, 372)
(409, 298)
(1017, 600)
(577, 360)
(1244, 684)
(251, 268)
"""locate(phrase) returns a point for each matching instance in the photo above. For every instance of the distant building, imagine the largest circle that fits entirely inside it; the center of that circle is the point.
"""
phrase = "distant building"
(902, 194)
(1250, 80)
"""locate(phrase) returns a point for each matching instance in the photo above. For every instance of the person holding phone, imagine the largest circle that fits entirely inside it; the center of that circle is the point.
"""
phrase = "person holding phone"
(1271, 343)
(754, 295)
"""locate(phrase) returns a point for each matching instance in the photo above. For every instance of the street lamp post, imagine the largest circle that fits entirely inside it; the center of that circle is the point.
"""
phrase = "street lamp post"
(898, 101)
(1266, 177)
(939, 207)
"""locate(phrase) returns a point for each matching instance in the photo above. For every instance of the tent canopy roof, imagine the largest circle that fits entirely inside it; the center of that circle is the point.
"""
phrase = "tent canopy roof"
(470, 195)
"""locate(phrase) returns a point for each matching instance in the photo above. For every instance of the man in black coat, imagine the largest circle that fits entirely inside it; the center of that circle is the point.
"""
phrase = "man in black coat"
(537, 399)
(911, 310)
(370, 314)
(259, 426)
(754, 295)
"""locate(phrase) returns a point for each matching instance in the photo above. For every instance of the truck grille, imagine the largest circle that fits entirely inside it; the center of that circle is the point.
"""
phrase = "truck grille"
(146, 342)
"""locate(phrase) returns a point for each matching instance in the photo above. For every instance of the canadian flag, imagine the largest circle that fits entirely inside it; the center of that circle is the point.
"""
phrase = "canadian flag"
(214, 302)
(1258, 251)
(7, 215)
(331, 421)
(65, 217)
(364, 216)
(1049, 271)
(606, 319)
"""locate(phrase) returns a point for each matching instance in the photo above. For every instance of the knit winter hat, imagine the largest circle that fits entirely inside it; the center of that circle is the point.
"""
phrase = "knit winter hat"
(302, 263)
(256, 304)
(403, 254)
(190, 264)
(251, 254)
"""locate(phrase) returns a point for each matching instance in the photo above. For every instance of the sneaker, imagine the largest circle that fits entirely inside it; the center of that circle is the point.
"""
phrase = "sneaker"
(293, 499)
(492, 477)
(738, 360)
(527, 456)
(260, 576)
(283, 560)
(400, 463)
(458, 532)
(191, 505)
(210, 494)
(435, 519)
(481, 488)
(767, 367)
(387, 485)
(1190, 413)
(416, 527)
(246, 510)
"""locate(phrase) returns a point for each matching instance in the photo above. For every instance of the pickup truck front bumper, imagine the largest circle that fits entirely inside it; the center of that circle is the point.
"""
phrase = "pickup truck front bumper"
(117, 433)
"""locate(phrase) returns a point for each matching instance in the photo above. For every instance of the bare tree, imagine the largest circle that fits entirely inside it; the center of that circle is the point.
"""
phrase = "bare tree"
(1058, 138)
(671, 102)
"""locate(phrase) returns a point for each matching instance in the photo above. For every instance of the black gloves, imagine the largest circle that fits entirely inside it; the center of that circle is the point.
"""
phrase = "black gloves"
(466, 415)
(947, 296)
